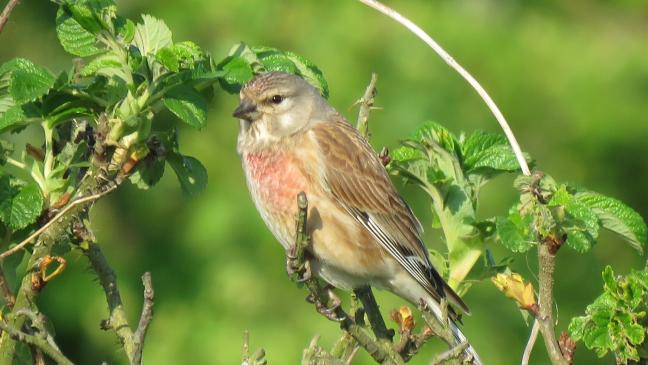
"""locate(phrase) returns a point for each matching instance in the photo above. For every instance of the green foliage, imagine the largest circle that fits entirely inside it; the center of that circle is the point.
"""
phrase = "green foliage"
(243, 62)
(20, 204)
(452, 171)
(616, 321)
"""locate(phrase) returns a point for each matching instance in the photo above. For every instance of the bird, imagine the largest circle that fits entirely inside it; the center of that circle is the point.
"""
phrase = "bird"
(362, 232)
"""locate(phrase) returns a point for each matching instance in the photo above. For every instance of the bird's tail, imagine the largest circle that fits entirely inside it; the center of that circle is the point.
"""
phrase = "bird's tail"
(456, 331)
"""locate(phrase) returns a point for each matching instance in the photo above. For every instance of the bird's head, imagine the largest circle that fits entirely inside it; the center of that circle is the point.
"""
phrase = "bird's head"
(278, 104)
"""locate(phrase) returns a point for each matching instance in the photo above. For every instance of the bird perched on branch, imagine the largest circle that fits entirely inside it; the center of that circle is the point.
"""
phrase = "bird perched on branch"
(362, 232)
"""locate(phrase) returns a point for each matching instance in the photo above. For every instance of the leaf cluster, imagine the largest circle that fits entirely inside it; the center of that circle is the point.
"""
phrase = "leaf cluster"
(616, 321)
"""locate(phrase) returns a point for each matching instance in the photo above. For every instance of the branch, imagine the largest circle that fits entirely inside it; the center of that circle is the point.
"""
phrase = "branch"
(324, 299)
(7, 294)
(457, 67)
(366, 105)
(39, 342)
(454, 353)
(4, 16)
(57, 217)
(117, 321)
(532, 340)
(546, 264)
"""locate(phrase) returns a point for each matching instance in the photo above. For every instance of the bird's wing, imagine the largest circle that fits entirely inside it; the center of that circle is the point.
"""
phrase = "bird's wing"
(356, 178)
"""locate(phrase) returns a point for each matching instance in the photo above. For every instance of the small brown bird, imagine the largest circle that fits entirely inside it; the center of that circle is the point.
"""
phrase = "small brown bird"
(362, 231)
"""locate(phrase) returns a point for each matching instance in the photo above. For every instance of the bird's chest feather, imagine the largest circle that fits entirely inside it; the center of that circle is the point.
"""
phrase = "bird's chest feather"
(275, 178)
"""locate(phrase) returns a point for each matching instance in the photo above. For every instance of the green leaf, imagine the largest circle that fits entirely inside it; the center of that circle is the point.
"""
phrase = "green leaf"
(107, 65)
(152, 35)
(19, 206)
(191, 173)
(147, 174)
(73, 37)
(498, 158)
(12, 117)
(6, 149)
(168, 58)
(434, 133)
(480, 141)
(515, 231)
(188, 105)
(616, 217)
(236, 72)
(580, 222)
(29, 81)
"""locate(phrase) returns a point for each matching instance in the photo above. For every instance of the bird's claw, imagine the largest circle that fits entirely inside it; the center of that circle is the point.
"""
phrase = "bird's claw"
(299, 272)
(330, 311)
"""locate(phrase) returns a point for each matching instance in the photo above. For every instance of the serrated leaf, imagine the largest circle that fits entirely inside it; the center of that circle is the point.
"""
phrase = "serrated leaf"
(580, 222)
(151, 35)
(515, 232)
(107, 65)
(617, 217)
(73, 37)
(498, 157)
(19, 206)
(125, 29)
(310, 72)
(480, 141)
(434, 133)
(29, 81)
(191, 173)
(188, 105)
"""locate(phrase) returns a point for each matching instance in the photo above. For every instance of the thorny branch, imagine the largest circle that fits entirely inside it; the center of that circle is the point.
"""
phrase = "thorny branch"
(132, 341)
(43, 343)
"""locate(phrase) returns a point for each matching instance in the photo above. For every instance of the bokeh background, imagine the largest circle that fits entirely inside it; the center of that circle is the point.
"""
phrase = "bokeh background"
(571, 76)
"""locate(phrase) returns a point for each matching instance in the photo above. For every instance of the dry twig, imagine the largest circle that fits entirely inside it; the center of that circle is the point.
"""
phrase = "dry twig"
(4, 16)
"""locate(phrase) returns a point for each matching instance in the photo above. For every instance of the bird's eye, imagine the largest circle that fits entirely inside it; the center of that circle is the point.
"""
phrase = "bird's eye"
(276, 99)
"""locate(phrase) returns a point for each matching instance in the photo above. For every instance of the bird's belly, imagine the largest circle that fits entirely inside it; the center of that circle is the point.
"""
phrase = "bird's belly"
(345, 254)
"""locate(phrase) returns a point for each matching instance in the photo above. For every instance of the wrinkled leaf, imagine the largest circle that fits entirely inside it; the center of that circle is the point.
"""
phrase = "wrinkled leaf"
(20, 206)
(29, 81)
(616, 217)
(188, 105)
(151, 35)
(73, 37)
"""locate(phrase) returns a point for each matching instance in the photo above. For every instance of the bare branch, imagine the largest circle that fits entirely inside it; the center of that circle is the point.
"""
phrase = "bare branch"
(532, 340)
(546, 265)
(36, 341)
(366, 105)
(457, 67)
(4, 16)
(117, 320)
(454, 353)
(145, 318)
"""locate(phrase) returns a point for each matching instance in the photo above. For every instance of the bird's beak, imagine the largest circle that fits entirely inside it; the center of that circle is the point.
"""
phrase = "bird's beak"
(246, 110)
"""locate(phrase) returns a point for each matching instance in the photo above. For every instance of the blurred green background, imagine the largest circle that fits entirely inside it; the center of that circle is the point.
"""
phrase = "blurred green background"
(572, 78)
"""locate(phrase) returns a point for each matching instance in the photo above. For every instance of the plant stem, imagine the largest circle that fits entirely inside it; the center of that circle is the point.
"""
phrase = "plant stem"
(366, 104)
(4, 16)
(36, 341)
(457, 67)
(546, 261)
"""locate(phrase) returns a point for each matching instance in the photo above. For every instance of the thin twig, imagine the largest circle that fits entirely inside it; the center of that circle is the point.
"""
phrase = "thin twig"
(145, 318)
(457, 67)
(37, 341)
(4, 16)
(366, 105)
(454, 353)
(33, 236)
(532, 340)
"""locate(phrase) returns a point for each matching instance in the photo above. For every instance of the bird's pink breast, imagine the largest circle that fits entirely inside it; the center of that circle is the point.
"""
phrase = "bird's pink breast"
(276, 179)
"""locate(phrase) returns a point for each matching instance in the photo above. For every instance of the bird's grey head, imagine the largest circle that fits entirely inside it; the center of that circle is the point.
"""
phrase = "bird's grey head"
(277, 104)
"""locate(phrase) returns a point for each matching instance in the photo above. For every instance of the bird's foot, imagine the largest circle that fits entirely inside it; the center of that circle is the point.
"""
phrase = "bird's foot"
(298, 271)
(328, 307)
